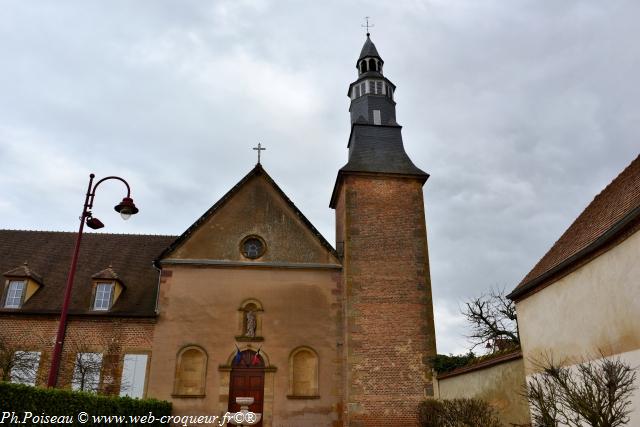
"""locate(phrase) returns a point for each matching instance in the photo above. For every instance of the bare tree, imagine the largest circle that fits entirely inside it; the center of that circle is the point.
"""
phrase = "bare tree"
(87, 371)
(458, 413)
(17, 363)
(543, 396)
(493, 320)
(94, 366)
(596, 393)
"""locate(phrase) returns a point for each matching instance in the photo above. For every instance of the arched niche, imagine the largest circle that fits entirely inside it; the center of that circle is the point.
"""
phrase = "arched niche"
(191, 372)
(250, 321)
(303, 374)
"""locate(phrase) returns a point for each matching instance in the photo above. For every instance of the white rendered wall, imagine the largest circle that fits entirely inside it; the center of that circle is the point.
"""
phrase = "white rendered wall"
(593, 310)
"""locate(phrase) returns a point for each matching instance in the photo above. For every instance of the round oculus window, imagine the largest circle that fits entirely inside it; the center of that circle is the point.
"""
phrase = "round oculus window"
(253, 247)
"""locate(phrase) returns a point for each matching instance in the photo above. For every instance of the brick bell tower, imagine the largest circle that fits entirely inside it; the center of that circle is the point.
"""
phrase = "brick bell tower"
(388, 331)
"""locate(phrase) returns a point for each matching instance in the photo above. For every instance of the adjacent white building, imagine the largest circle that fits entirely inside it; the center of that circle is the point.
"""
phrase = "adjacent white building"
(582, 299)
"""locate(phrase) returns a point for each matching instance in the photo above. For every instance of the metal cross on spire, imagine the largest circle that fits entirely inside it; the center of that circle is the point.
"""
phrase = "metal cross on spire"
(367, 25)
(259, 148)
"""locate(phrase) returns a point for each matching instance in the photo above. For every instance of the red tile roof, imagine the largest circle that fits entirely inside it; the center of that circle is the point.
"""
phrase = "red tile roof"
(49, 253)
(609, 212)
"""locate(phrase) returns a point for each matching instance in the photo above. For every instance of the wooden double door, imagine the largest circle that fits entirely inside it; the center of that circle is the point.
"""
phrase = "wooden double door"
(247, 380)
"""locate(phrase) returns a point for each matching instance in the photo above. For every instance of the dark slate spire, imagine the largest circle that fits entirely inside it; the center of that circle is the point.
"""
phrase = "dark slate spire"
(369, 50)
(375, 144)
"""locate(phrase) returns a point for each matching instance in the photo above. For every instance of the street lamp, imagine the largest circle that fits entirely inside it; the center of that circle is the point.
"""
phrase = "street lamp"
(126, 208)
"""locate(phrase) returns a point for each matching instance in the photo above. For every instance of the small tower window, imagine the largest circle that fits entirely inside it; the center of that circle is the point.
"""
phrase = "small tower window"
(357, 90)
(363, 88)
(364, 66)
(379, 88)
(374, 65)
(376, 117)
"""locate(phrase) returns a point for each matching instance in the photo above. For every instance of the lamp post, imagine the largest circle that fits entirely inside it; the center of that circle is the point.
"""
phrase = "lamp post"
(126, 208)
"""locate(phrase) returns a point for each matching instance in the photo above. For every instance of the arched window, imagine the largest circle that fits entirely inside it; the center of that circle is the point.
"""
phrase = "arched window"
(374, 65)
(191, 370)
(303, 373)
(364, 66)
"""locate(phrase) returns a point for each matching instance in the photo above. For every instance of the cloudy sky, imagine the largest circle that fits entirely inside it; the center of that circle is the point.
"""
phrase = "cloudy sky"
(521, 111)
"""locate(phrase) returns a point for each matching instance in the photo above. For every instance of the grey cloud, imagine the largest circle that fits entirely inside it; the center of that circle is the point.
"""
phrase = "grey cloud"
(521, 112)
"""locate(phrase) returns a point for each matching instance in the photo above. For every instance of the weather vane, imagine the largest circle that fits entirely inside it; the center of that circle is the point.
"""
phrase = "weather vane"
(367, 25)
(259, 149)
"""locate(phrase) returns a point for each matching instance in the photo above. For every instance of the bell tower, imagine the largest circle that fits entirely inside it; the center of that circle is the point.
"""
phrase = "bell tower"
(388, 331)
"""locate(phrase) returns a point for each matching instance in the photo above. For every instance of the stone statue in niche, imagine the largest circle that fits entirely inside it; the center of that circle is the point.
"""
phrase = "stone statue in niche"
(250, 317)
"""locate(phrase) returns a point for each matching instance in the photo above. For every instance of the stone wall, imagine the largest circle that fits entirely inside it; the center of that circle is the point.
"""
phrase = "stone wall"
(499, 381)
(200, 306)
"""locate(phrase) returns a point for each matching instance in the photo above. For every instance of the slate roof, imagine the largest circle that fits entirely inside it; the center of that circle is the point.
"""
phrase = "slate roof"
(257, 170)
(377, 149)
(369, 50)
(609, 214)
(49, 253)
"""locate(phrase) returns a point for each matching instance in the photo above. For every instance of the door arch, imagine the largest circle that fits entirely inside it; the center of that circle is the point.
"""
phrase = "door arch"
(247, 380)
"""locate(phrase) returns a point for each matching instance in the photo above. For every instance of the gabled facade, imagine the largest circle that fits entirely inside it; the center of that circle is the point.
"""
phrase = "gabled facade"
(251, 274)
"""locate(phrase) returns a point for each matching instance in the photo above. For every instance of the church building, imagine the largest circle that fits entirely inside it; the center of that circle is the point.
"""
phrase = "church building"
(251, 300)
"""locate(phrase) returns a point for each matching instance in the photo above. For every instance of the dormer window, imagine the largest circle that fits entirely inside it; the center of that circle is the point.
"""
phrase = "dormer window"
(15, 293)
(107, 287)
(22, 282)
(104, 295)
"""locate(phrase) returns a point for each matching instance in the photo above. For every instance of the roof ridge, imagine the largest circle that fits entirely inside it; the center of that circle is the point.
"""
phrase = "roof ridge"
(88, 233)
(602, 215)
(608, 186)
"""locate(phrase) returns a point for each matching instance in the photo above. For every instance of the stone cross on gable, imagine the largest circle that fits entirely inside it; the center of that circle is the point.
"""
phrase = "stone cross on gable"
(259, 148)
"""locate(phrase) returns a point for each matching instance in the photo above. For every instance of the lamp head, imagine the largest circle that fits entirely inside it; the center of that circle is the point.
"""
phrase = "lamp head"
(94, 223)
(126, 208)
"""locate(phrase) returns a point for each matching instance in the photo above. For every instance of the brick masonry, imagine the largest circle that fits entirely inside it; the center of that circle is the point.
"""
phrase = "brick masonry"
(388, 329)
(114, 337)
